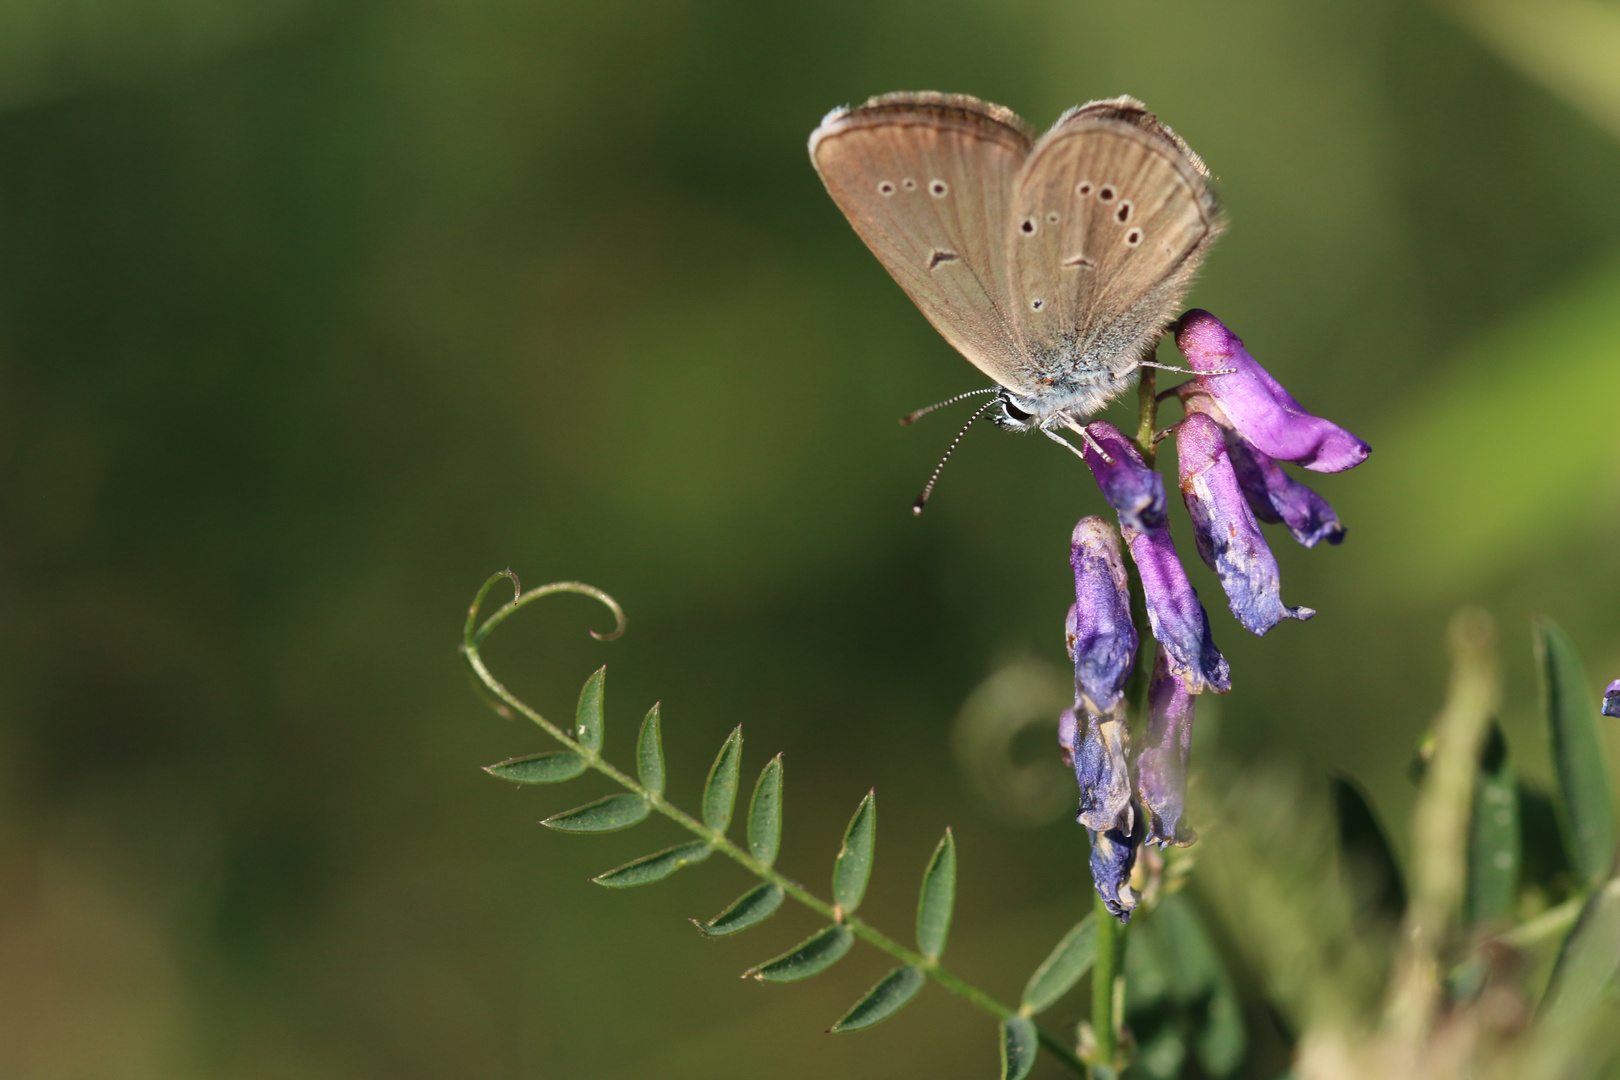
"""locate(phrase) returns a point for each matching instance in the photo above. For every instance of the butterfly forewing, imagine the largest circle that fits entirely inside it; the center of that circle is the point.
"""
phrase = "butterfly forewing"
(1111, 216)
(927, 180)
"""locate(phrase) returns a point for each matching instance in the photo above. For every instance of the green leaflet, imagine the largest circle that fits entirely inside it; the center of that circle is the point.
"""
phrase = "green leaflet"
(937, 899)
(654, 867)
(1493, 837)
(812, 957)
(1018, 1046)
(755, 905)
(883, 1000)
(1577, 751)
(765, 814)
(588, 720)
(1068, 961)
(853, 866)
(603, 815)
(1589, 961)
(650, 753)
(720, 790)
(551, 767)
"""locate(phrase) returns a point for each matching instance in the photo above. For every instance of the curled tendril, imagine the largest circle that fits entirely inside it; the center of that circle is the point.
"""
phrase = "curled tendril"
(472, 639)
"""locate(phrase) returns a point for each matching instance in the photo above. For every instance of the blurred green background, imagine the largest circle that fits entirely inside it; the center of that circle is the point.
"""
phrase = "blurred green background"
(312, 315)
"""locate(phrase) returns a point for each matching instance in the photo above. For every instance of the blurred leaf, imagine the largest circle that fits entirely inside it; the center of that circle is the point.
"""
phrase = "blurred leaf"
(1147, 970)
(1590, 959)
(1374, 877)
(765, 814)
(550, 767)
(1018, 1047)
(650, 753)
(720, 790)
(1058, 973)
(1201, 981)
(937, 899)
(655, 867)
(1493, 838)
(588, 720)
(853, 866)
(883, 1000)
(1577, 751)
(1223, 1039)
(755, 905)
(814, 956)
(1160, 1055)
(603, 815)
(1545, 863)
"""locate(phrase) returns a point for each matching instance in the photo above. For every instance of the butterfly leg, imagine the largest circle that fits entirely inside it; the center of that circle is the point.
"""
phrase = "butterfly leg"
(1080, 429)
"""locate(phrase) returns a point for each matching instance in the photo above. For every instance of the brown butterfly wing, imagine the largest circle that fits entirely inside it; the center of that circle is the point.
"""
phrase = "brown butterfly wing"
(1112, 214)
(927, 181)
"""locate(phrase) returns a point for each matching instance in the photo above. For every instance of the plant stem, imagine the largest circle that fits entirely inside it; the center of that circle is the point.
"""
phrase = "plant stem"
(1147, 406)
(1110, 934)
(717, 840)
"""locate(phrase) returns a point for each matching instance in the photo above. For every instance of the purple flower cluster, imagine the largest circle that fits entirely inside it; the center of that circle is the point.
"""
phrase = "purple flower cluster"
(1239, 424)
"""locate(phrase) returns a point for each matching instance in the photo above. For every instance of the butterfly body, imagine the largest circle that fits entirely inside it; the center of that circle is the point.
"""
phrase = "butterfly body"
(1052, 264)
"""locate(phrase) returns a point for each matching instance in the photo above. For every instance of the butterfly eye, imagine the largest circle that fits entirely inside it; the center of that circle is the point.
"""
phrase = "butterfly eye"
(1028, 227)
(1124, 212)
(938, 189)
(886, 188)
(1106, 194)
(1134, 237)
(1014, 412)
(1083, 188)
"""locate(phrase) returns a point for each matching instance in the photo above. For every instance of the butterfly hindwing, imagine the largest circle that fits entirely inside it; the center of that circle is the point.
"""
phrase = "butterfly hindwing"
(927, 180)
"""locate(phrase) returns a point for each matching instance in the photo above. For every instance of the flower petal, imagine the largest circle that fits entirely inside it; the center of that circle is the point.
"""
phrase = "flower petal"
(1068, 735)
(1161, 766)
(1130, 487)
(1101, 766)
(1273, 495)
(1113, 856)
(1259, 407)
(1611, 699)
(1178, 620)
(1229, 538)
(1101, 637)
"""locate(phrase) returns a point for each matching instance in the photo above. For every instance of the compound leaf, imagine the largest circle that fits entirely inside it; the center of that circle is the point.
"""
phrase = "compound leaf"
(650, 753)
(654, 867)
(588, 722)
(937, 899)
(765, 814)
(755, 905)
(883, 1000)
(603, 815)
(812, 957)
(720, 790)
(853, 866)
(551, 767)
(1069, 960)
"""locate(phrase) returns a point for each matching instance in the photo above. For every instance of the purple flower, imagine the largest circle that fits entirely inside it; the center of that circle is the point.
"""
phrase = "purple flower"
(1113, 856)
(1068, 735)
(1273, 495)
(1261, 410)
(1611, 699)
(1161, 766)
(1228, 536)
(1102, 767)
(1130, 487)
(1101, 636)
(1178, 620)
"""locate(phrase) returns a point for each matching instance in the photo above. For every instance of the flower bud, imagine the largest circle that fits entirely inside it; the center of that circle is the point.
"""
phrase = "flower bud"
(1261, 410)
(1130, 487)
(1161, 766)
(1229, 538)
(1100, 635)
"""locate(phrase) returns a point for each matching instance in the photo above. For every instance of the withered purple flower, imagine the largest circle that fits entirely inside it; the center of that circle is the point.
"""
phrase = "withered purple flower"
(1113, 857)
(1229, 538)
(1101, 637)
(1130, 487)
(1258, 406)
(1175, 614)
(1102, 766)
(1161, 765)
(1611, 699)
(1273, 495)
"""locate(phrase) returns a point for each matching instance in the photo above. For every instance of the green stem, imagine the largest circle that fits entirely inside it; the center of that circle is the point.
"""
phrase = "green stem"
(1147, 405)
(1110, 935)
(471, 641)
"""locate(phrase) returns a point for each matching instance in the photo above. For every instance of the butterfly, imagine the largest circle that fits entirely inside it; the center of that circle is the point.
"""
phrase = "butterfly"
(1053, 263)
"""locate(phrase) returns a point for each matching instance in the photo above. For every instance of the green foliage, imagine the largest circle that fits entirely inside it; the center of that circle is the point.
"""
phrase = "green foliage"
(551, 767)
(1018, 1044)
(1494, 842)
(1065, 966)
(650, 754)
(810, 957)
(655, 867)
(720, 790)
(755, 905)
(853, 865)
(588, 721)
(937, 899)
(765, 814)
(604, 815)
(1577, 749)
(883, 1000)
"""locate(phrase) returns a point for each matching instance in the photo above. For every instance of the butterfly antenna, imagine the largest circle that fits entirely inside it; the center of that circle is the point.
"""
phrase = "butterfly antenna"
(928, 489)
(912, 418)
